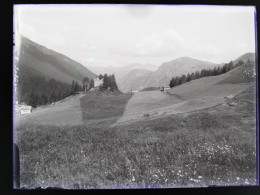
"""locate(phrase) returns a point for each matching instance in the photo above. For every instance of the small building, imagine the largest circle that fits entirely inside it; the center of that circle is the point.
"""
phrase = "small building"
(165, 88)
(134, 91)
(98, 82)
(24, 109)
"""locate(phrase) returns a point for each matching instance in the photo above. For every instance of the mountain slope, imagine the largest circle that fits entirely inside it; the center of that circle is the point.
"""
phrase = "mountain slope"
(245, 57)
(177, 67)
(120, 72)
(38, 60)
(165, 72)
(134, 80)
(195, 95)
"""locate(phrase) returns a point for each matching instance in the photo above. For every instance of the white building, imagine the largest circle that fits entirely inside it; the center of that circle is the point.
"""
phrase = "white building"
(165, 88)
(23, 109)
(98, 82)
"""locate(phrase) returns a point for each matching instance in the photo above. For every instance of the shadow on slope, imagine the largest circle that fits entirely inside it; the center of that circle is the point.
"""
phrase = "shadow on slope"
(102, 109)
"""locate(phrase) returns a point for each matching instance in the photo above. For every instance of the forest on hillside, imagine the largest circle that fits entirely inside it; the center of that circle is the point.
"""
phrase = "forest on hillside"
(36, 90)
(204, 73)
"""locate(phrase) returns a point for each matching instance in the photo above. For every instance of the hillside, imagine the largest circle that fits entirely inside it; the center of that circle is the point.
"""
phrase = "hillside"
(177, 67)
(201, 135)
(120, 72)
(194, 95)
(134, 80)
(164, 73)
(38, 60)
(245, 57)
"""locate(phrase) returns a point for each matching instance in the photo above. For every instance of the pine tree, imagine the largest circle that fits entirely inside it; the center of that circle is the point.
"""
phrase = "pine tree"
(76, 87)
(109, 81)
(240, 62)
(202, 73)
(100, 76)
(177, 81)
(173, 82)
(224, 68)
(183, 79)
(91, 83)
(214, 73)
(188, 77)
(33, 100)
(192, 76)
(219, 70)
(230, 65)
(84, 82)
(113, 84)
(197, 75)
(105, 82)
(72, 87)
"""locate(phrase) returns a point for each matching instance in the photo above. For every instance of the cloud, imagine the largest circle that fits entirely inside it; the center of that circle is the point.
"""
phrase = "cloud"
(162, 44)
(157, 45)
(168, 45)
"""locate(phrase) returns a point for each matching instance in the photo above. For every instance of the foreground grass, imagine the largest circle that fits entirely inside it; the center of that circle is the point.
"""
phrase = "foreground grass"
(211, 147)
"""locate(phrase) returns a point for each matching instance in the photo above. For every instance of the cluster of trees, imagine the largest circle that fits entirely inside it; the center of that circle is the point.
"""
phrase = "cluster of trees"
(35, 90)
(204, 73)
(87, 83)
(109, 82)
(75, 88)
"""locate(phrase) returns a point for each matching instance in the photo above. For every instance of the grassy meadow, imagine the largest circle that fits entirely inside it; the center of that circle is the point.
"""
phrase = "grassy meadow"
(215, 146)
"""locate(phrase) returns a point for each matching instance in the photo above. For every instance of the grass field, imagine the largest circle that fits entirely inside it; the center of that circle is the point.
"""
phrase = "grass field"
(198, 94)
(214, 146)
(102, 109)
(65, 112)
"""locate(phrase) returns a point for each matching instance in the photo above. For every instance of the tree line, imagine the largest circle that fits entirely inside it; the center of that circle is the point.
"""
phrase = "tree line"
(109, 82)
(36, 90)
(203, 73)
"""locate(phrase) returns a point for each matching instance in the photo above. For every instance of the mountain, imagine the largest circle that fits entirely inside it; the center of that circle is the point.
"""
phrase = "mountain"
(245, 57)
(134, 80)
(35, 59)
(168, 70)
(164, 73)
(121, 72)
(177, 67)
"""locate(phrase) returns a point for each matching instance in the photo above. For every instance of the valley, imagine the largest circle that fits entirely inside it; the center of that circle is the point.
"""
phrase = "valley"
(134, 96)
(199, 134)
(138, 79)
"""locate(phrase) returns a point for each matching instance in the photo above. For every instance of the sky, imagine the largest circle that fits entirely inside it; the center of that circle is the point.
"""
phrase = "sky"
(118, 35)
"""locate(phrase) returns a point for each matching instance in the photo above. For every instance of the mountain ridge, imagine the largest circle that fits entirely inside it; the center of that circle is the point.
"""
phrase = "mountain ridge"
(37, 59)
(177, 67)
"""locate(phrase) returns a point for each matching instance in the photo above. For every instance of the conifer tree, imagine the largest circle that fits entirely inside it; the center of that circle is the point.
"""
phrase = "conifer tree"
(113, 85)
(91, 83)
(105, 82)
